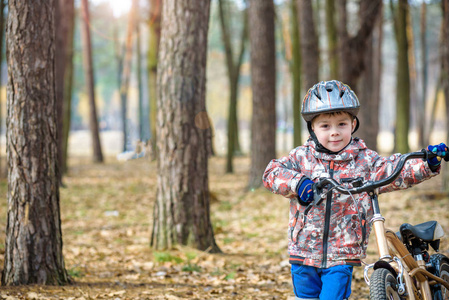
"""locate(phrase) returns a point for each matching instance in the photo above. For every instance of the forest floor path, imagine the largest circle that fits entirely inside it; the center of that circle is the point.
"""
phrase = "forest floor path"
(106, 212)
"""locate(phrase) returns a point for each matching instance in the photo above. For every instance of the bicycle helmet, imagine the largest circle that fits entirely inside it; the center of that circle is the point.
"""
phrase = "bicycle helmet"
(328, 97)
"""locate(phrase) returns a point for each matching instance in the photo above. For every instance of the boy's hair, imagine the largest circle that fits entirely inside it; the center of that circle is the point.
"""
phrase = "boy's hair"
(334, 113)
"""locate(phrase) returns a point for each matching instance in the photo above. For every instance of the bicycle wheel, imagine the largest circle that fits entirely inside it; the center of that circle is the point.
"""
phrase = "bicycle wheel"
(444, 274)
(383, 286)
(440, 265)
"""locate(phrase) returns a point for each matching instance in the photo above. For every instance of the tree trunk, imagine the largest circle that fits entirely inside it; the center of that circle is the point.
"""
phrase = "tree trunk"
(445, 72)
(424, 78)
(139, 78)
(64, 14)
(309, 44)
(233, 68)
(414, 99)
(68, 82)
(89, 74)
(126, 74)
(369, 94)
(263, 84)
(295, 70)
(403, 80)
(332, 40)
(33, 248)
(352, 49)
(154, 25)
(2, 21)
(182, 209)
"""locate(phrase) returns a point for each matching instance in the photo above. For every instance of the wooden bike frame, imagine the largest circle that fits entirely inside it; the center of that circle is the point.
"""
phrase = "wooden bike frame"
(389, 246)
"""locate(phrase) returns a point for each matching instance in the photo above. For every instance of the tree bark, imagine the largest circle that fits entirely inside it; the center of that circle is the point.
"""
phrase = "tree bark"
(154, 24)
(295, 70)
(403, 80)
(33, 249)
(263, 84)
(233, 68)
(182, 209)
(90, 82)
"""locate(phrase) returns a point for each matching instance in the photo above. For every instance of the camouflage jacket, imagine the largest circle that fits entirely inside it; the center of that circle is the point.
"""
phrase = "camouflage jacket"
(336, 231)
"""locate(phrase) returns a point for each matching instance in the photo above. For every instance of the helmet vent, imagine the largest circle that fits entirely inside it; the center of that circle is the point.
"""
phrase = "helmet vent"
(342, 91)
(317, 92)
(329, 86)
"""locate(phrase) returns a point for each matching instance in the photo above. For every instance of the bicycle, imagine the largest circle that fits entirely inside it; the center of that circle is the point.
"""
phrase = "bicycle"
(404, 270)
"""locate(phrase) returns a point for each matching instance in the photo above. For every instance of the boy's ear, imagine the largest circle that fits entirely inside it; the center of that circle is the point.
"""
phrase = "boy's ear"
(354, 124)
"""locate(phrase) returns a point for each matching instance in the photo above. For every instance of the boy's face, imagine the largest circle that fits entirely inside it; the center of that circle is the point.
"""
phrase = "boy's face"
(333, 131)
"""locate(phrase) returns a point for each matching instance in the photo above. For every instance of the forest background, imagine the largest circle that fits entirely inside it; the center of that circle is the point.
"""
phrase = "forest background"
(109, 29)
(106, 206)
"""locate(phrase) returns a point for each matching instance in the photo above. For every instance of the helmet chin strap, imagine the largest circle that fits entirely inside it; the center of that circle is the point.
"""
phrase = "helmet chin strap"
(320, 147)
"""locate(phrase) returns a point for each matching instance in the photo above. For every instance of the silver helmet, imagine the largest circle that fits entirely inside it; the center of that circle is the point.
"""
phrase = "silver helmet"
(327, 97)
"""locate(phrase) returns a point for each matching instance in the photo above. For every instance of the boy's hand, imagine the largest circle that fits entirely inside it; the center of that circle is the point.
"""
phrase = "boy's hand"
(305, 192)
(440, 150)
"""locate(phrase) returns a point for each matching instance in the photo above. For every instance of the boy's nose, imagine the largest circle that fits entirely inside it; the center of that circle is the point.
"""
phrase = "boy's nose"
(334, 131)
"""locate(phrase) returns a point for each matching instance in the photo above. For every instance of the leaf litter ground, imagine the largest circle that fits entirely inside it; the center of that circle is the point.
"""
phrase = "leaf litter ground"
(106, 212)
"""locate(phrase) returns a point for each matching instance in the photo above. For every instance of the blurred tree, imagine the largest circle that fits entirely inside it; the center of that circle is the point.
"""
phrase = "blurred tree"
(352, 48)
(263, 83)
(64, 19)
(233, 68)
(33, 248)
(139, 75)
(126, 74)
(2, 30)
(402, 77)
(295, 70)
(89, 78)
(332, 39)
(68, 83)
(424, 78)
(69, 15)
(369, 85)
(154, 26)
(182, 208)
(309, 44)
(444, 50)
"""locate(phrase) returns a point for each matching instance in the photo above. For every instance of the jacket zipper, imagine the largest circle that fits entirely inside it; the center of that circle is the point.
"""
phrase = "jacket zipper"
(327, 219)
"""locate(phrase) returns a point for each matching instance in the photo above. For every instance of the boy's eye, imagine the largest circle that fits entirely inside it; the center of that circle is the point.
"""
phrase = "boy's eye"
(324, 126)
(343, 124)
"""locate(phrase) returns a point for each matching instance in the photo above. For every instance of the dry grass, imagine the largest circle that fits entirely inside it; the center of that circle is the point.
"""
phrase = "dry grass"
(106, 218)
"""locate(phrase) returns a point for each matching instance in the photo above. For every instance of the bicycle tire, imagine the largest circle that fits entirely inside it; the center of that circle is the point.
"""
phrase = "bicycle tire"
(444, 273)
(441, 263)
(383, 286)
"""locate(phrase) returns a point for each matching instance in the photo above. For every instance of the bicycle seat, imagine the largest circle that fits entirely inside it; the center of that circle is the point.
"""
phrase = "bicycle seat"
(427, 231)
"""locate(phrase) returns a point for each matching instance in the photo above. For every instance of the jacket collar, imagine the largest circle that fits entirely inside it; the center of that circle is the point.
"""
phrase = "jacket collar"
(348, 153)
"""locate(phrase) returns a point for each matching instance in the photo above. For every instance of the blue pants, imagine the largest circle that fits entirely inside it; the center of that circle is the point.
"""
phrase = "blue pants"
(321, 284)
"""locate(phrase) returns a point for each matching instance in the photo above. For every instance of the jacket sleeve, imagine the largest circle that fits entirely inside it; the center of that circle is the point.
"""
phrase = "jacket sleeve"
(414, 172)
(283, 175)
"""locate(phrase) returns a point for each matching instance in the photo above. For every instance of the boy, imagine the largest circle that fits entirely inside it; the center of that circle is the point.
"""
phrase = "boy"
(332, 238)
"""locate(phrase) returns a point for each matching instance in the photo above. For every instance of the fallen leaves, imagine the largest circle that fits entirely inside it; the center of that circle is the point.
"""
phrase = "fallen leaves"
(106, 220)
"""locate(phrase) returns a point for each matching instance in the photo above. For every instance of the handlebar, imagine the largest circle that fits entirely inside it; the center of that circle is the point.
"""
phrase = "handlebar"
(372, 185)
